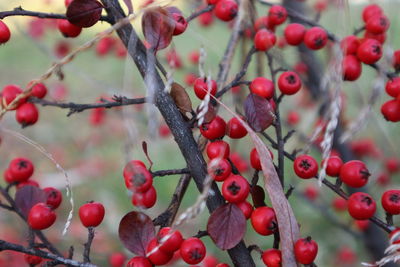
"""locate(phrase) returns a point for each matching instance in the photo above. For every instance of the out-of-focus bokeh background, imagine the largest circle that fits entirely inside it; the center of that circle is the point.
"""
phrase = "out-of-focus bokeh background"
(94, 154)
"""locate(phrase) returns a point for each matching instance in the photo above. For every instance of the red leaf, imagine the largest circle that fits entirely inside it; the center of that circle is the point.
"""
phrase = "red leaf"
(227, 226)
(259, 113)
(28, 196)
(128, 4)
(84, 13)
(158, 27)
(136, 230)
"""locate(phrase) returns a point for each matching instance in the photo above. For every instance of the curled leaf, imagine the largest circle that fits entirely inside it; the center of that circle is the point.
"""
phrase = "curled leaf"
(227, 226)
(158, 27)
(129, 5)
(181, 98)
(259, 112)
(84, 13)
(28, 196)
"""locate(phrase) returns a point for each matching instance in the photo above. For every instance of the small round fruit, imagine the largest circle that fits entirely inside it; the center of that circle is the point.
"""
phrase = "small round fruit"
(361, 206)
(391, 201)
(39, 90)
(218, 149)
(293, 118)
(41, 217)
(391, 110)
(393, 87)
(21, 169)
(219, 169)
(5, 33)
(139, 261)
(156, 255)
(294, 33)
(333, 166)
(193, 250)
(352, 68)
(117, 259)
(226, 10)
(305, 166)
(370, 11)
(315, 38)
(9, 93)
(277, 15)
(246, 208)
(54, 197)
(235, 129)
(68, 29)
(339, 204)
(91, 214)
(263, 87)
(32, 260)
(180, 23)
(172, 243)
(8, 176)
(145, 200)
(235, 189)
(349, 45)
(370, 51)
(289, 83)
(214, 129)
(354, 173)
(264, 221)
(272, 257)
(255, 159)
(264, 40)
(305, 250)
(377, 24)
(137, 178)
(27, 114)
(201, 87)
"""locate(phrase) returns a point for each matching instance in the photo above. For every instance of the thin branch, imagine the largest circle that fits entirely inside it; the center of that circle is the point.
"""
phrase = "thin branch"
(201, 234)
(199, 12)
(170, 172)
(88, 244)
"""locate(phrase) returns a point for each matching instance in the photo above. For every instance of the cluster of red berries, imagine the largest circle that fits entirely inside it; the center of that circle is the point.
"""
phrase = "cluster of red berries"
(108, 44)
(139, 180)
(225, 10)
(391, 108)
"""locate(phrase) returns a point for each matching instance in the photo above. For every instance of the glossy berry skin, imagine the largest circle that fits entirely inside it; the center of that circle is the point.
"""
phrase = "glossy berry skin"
(54, 197)
(289, 83)
(277, 15)
(226, 10)
(391, 110)
(158, 257)
(8, 177)
(68, 29)
(349, 45)
(41, 217)
(172, 243)
(264, 40)
(351, 68)
(393, 87)
(263, 87)
(212, 2)
(354, 173)
(370, 51)
(219, 169)
(246, 208)
(91, 214)
(294, 33)
(21, 169)
(39, 90)
(272, 258)
(180, 23)
(192, 250)
(218, 149)
(235, 129)
(235, 189)
(145, 200)
(139, 261)
(305, 166)
(137, 178)
(5, 33)
(396, 60)
(370, 11)
(10, 92)
(305, 250)
(214, 129)
(255, 159)
(377, 24)
(333, 166)
(391, 201)
(264, 221)
(361, 206)
(27, 114)
(315, 38)
(32, 260)
(201, 87)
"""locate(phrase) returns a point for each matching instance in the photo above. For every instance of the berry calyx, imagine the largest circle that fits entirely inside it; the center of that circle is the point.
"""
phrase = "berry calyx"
(219, 169)
(21, 169)
(305, 166)
(391, 201)
(354, 173)
(27, 114)
(361, 206)
(289, 83)
(235, 189)
(264, 221)
(192, 250)
(226, 10)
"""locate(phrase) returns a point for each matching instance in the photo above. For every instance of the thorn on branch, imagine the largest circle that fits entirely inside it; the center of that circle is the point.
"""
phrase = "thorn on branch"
(288, 135)
(289, 191)
(201, 234)
(255, 248)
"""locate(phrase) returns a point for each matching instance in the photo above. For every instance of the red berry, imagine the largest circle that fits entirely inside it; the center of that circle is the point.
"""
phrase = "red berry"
(212, 2)
(139, 261)
(339, 204)
(235, 129)
(32, 260)
(10, 92)
(264, 221)
(311, 192)
(137, 177)
(370, 11)
(21, 169)
(54, 197)
(27, 114)
(289, 83)
(383, 179)
(8, 176)
(370, 51)
(180, 23)
(172, 243)
(156, 255)
(29, 182)
(190, 78)
(263, 87)
(391, 110)
(294, 33)
(193, 250)
(104, 46)
(219, 169)
(264, 40)
(333, 166)
(67, 29)
(41, 217)
(349, 45)
(117, 259)
(67, 2)
(91, 214)
(214, 129)
(396, 59)
(145, 200)
(39, 90)
(201, 87)
(218, 149)
(277, 15)
(393, 87)
(305, 250)
(293, 118)
(354, 173)
(226, 10)
(305, 166)
(246, 208)
(377, 24)
(361, 225)
(206, 19)
(235, 189)
(194, 57)
(255, 159)
(391, 201)
(5, 33)
(239, 162)
(361, 206)
(315, 38)
(272, 257)
(392, 165)
(351, 68)
(381, 38)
